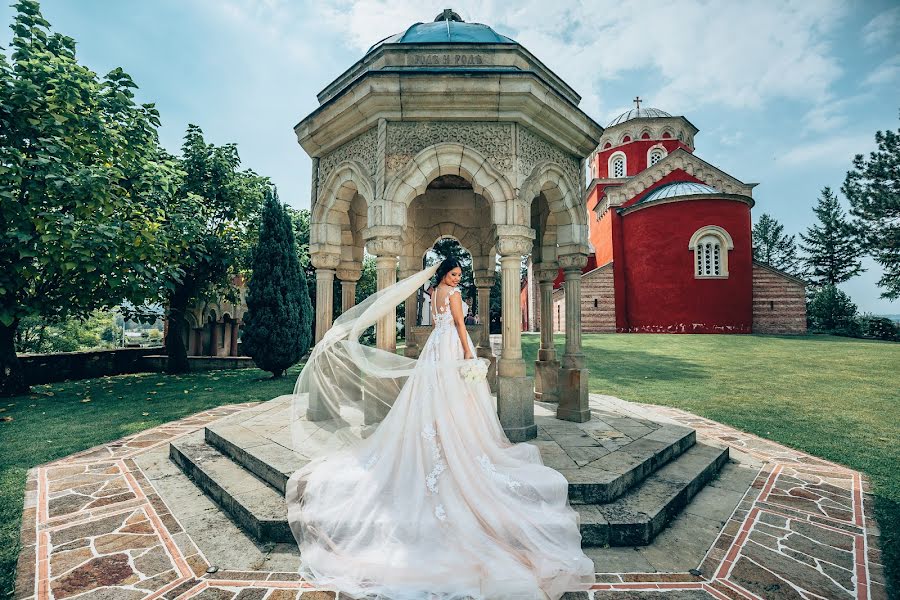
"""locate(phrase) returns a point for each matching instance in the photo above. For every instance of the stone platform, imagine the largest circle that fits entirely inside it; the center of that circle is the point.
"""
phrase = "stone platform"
(122, 521)
(627, 476)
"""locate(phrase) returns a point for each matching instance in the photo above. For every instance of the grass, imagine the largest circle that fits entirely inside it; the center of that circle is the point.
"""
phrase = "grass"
(838, 398)
(60, 419)
(833, 397)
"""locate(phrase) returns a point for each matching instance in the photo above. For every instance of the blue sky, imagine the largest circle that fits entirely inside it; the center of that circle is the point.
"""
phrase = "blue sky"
(784, 93)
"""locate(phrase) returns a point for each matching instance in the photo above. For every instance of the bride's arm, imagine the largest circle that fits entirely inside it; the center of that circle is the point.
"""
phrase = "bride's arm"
(457, 312)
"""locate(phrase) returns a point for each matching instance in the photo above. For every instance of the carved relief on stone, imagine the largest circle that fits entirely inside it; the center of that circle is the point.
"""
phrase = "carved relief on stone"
(406, 139)
(361, 149)
(534, 149)
(384, 246)
(349, 274)
(545, 273)
(572, 262)
(323, 260)
(513, 240)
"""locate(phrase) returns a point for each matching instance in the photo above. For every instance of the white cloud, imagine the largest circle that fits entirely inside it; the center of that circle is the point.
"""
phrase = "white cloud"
(883, 28)
(886, 72)
(837, 151)
(739, 55)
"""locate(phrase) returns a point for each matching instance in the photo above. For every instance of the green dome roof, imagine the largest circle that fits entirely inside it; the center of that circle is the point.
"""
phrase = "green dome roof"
(447, 27)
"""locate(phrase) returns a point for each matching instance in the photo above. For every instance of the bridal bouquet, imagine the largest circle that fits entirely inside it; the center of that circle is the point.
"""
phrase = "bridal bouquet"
(474, 370)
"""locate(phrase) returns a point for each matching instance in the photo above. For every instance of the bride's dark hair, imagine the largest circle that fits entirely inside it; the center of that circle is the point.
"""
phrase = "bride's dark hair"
(447, 265)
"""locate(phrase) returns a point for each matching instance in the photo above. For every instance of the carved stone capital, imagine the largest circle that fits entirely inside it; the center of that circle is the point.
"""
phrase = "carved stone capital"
(514, 240)
(349, 274)
(572, 262)
(323, 260)
(384, 246)
(545, 273)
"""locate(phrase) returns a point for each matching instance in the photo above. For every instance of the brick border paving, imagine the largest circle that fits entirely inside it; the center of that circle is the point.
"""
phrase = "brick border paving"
(94, 525)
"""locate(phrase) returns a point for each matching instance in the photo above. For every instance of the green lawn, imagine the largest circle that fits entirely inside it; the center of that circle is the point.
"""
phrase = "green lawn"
(55, 421)
(833, 397)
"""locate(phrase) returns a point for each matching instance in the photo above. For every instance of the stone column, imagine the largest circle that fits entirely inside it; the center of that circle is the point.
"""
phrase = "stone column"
(386, 249)
(198, 342)
(573, 377)
(325, 265)
(515, 390)
(348, 278)
(214, 338)
(409, 312)
(546, 367)
(235, 330)
(484, 283)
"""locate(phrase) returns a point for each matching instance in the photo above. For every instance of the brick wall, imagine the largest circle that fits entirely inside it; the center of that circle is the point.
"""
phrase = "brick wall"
(598, 301)
(779, 302)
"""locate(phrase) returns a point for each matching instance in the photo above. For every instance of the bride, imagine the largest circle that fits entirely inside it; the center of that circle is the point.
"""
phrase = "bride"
(412, 490)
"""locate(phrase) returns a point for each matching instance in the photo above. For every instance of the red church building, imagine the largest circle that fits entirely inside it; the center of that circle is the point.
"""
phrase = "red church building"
(671, 242)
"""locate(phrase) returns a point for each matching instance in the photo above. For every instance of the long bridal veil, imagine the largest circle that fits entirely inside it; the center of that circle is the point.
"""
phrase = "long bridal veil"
(346, 386)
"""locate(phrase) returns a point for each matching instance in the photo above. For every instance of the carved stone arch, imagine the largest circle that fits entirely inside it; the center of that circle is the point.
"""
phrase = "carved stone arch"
(622, 135)
(563, 201)
(448, 158)
(645, 129)
(330, 216)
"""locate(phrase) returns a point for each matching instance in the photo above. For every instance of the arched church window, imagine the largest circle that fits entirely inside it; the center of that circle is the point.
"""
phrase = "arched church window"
(617, 165)
(710, 245)
(655, 155)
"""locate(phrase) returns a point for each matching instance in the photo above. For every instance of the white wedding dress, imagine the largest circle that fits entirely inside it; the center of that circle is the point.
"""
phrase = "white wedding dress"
(436, 502)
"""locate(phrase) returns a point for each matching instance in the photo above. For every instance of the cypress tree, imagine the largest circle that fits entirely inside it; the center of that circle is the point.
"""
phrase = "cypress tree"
(832, 252)
(279, 318)
(772, 246)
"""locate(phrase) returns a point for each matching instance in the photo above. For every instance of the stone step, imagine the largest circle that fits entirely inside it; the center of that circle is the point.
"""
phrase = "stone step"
(249, 501)
(601, 480)
(271, 462)
(632, 520)
(611, 476)
(638, 516)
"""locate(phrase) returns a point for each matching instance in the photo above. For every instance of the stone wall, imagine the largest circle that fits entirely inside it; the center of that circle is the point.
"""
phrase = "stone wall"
(49, 368)
(598, 301)
(779, 302)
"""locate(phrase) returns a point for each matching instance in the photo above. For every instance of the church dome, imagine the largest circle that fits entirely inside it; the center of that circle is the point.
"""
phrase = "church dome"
(638, 113)
(447, 28)
(681, 188)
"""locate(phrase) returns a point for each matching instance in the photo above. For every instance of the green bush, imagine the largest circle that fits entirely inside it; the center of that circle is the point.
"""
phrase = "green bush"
(880, 328)
(830, 310)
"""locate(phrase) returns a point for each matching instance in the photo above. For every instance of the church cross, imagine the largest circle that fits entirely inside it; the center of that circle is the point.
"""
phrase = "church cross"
(637, 101)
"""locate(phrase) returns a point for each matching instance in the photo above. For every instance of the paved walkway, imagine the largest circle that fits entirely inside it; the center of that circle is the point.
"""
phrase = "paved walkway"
(95, 526)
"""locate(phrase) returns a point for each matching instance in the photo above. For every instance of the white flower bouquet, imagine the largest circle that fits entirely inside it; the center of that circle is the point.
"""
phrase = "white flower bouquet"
(474, 370)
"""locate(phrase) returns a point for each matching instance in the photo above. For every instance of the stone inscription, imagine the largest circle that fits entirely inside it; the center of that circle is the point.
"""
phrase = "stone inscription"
(447, 60)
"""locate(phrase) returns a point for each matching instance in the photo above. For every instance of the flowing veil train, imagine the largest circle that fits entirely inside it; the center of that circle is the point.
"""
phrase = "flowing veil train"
(412, 490)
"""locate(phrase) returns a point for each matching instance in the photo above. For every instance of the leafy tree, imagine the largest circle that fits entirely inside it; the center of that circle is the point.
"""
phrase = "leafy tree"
(830, 309)
(94, 331)
(278, 327)
(216, 214)
(772, 246)
(832, 252)
(83, 183)
(873, 188)
(880, 328)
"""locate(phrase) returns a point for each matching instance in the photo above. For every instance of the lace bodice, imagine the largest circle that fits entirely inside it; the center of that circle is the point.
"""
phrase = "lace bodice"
(441, 315)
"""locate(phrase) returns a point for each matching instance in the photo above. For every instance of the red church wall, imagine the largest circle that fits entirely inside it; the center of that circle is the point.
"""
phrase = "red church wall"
(635, 155)
(661, 293)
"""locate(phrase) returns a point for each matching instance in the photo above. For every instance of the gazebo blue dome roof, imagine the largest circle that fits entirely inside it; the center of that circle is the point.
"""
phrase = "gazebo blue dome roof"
(638, 113)
(681, 188)
(447, 27)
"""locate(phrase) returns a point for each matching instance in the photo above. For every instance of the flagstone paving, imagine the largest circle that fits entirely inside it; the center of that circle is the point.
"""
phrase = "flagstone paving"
(117, 522)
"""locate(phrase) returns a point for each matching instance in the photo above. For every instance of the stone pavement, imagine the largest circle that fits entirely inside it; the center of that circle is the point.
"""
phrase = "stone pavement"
(120, 521)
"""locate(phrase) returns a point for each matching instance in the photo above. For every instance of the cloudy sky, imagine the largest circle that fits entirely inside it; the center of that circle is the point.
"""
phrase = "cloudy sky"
(784, 93)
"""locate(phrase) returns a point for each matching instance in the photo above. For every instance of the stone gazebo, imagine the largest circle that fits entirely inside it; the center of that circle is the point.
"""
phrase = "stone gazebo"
(450, 129)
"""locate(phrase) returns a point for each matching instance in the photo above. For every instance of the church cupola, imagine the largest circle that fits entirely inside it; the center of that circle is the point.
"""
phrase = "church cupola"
(638, 139)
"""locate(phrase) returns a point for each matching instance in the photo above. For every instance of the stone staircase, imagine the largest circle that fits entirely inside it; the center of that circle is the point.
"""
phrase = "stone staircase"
(627, 477)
